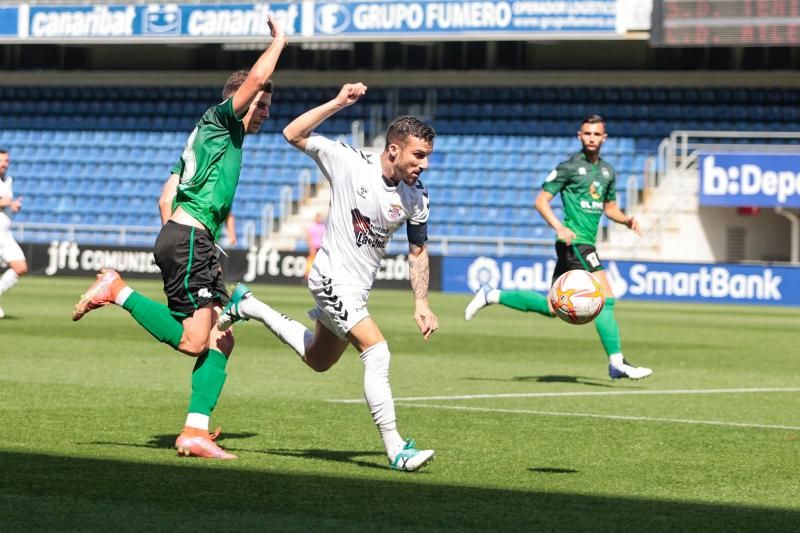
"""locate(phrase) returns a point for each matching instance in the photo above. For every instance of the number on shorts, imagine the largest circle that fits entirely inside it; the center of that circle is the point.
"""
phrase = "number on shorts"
(592, 259)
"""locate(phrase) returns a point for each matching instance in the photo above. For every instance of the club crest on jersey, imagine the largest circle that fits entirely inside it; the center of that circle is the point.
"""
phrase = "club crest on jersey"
(365, 233)
(362, 191)
(395, 212)
(582, 171)
(606, 173)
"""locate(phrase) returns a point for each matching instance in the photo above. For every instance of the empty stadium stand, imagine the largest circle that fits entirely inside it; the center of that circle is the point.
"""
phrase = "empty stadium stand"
(93, 158)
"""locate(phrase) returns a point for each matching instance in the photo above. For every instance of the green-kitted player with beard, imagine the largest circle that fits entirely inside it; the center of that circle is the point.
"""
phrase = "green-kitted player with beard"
(586, 183)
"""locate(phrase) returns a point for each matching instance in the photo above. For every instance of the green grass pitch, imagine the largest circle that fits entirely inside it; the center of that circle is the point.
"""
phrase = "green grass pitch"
(530, 433)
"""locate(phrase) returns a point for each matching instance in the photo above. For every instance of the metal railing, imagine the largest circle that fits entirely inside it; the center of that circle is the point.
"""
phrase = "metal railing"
(679, 151)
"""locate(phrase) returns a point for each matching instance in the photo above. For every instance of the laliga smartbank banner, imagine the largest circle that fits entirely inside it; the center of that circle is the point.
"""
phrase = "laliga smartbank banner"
(708, 283)
(310, 20)
(261, 264)
(765, 180)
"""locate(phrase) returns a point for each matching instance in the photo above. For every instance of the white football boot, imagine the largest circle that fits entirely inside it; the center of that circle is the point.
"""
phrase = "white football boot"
(409, 458)
(477, 303)
(626, 370)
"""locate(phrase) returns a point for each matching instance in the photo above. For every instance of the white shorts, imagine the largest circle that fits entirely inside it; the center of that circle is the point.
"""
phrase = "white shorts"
(339, 307)
(9, 249)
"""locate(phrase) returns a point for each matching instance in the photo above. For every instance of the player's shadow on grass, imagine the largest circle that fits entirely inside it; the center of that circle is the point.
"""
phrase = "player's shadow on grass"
(337, 456)
(579, 380)
(162, 442)
(61, 493)
(552, 470)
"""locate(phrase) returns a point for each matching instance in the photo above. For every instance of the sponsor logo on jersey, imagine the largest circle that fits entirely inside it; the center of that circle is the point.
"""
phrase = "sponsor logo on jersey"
(395, 212)
(366, 233)
(205, 293)
(606, 173)
(596, 190)
(581, 171)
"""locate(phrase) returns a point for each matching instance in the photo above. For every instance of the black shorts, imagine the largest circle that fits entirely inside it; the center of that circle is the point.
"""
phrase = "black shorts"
(575, 257)
(189, 267)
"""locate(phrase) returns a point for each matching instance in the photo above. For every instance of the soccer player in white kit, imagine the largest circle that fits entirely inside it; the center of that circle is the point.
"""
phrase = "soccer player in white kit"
(371, 197)
(10, 252)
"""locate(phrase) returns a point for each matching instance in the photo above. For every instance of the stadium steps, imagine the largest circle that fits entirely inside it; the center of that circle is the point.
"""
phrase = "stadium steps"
(291, 235)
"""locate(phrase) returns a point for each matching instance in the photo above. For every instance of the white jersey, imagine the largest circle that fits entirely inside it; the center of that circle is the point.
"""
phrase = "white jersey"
(5, 211)
(364, 212)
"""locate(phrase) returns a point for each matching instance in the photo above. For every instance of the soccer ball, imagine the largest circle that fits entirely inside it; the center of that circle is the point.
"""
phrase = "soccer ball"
(577, 297)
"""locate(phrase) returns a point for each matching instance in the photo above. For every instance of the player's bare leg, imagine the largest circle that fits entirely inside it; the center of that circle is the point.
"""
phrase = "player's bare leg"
(608, 330)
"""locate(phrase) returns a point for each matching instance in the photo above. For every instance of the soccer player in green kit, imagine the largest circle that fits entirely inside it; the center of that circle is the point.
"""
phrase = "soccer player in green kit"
(205, 182)
(586, 183)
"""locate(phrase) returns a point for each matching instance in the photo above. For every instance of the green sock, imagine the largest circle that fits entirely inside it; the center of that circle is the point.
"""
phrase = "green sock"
(155, 318)
(208, 377)
(607, 328)
(526, 301)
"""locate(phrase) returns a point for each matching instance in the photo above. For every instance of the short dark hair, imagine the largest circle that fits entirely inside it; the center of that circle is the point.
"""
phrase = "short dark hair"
(236, 80)
(593, 119)
(403, 127)
(3, 151)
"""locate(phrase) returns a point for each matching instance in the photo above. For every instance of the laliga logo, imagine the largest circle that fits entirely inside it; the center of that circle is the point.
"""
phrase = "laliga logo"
(483, 271)
(615, 279)
(332, 18)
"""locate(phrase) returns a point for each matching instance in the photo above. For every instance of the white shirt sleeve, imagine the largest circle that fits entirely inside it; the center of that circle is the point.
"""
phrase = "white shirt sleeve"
(421, 207)
(332, 157)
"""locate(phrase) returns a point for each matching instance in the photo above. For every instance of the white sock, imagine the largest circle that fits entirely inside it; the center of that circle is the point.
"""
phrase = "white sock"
(291, 332)
(615, 359)
(197, 421)
(123, 295)
(8, 280)
(493, 296)
(378, 394)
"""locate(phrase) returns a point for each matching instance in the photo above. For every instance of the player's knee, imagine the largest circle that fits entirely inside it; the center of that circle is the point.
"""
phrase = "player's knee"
(193, 347)
(319, 366)
(20, 268)
(318, 362)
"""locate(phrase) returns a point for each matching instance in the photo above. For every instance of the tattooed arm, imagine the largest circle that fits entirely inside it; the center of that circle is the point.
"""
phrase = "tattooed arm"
(420, 273)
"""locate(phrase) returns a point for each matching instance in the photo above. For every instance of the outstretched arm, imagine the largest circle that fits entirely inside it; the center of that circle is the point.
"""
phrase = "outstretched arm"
(261, 71)
(613, 212)
(420, 272)
(543, 206)
(168, 193)
(299, 130)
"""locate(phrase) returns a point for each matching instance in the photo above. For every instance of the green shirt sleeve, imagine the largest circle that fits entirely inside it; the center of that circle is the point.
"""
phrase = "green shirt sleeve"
(557, 179)
(611, 188)
(177, 168)
(226, 116)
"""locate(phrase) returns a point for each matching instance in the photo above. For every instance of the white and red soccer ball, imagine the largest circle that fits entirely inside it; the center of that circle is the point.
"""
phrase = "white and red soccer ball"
(577, 297)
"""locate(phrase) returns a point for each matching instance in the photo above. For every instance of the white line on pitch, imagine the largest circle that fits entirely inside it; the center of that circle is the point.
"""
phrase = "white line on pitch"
(608, 417)
(583, 393)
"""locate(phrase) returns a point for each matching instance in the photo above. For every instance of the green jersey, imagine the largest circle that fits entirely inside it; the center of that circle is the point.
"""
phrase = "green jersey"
(210, 165)
(585, 187)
